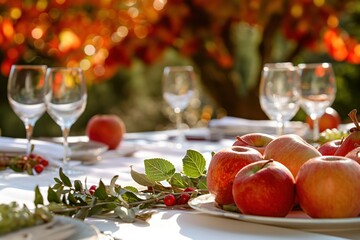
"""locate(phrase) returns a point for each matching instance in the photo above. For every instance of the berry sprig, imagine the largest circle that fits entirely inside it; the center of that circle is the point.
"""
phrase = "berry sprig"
(31, 164)
(162, 187)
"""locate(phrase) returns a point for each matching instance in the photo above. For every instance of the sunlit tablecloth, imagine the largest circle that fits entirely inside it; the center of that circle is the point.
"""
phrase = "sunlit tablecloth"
(166, 224)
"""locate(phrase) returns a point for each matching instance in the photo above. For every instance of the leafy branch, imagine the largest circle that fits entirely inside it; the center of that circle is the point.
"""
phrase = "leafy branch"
(127, 203)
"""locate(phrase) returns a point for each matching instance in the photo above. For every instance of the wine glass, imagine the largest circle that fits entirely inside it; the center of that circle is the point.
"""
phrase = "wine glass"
(178, 90)
(318, 90)
(65, 99)
(25, 92)
(280, 93)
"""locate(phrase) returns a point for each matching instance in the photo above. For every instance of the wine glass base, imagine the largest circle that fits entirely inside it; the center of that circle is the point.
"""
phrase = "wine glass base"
(70, 169)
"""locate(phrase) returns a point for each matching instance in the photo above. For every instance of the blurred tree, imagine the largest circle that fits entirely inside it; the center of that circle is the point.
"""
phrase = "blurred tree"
(228, 41)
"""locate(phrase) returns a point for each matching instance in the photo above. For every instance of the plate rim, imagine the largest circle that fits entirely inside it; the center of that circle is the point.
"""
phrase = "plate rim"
(310, 224)
(97, 147)
(79, 225)
(81, 230)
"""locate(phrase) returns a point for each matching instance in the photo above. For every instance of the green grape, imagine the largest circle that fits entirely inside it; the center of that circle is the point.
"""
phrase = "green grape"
(332, 134)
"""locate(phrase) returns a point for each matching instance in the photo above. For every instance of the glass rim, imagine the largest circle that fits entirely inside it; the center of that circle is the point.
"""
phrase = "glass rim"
(279, 66)
(179, 68)
(314, 65)
(64, 68)
(29, 66)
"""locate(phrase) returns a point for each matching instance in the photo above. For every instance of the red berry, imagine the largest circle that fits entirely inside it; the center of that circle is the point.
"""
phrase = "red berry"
(189, 189)
(169, 200)
(44, 162)
(92, 189)
(184, 198)
(39, 168)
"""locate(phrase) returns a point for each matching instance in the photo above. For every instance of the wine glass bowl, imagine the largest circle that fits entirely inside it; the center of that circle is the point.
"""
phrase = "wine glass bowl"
(178, 89)
(25, 93)
(280, 93)
(318, 91)
(65, 98)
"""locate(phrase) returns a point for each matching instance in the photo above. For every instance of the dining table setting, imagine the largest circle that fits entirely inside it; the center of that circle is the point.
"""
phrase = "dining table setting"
(113, 184)
(92, 162)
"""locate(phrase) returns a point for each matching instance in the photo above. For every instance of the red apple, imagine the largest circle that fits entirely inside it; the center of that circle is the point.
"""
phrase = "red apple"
(329, 187)
(265, 188)
(223, 167)
(354, 154)
(329, 148)
(257, 141)
(353, 139)
(330, 119)
(290, 150)
(108, 129)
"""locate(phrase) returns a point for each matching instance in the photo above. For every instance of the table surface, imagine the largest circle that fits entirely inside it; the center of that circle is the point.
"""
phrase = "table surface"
(164, 224)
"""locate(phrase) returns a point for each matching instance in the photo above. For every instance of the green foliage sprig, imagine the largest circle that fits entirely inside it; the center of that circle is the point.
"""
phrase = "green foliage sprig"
(127, 203)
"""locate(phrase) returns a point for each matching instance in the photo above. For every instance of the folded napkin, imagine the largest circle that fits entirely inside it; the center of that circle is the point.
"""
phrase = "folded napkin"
(233, 126)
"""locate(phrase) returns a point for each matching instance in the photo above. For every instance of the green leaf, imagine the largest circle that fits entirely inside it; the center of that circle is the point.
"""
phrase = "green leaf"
(131, 189)
(52, 196)
(95, 210)
(82, 213)
(57, 180)
(130, 197)
(194, 164)
(202, 183)
(125, 214)
(78, 186)
(57, 186)
(112, 186)
(65, 179)
(158, 169)
(141, 178)
(38, 197)
(72, 199)
(100, 191)
(178, 181)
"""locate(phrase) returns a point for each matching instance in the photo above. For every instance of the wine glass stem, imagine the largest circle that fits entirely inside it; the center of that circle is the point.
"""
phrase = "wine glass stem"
(65, 132)
(29, 131)
(316, 129)
(179, 137)
(280, 128)
(178, 119)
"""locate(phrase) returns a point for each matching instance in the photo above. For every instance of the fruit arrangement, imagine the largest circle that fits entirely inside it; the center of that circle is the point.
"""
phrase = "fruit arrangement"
(259, 175)
(324, 182)
(31, 164)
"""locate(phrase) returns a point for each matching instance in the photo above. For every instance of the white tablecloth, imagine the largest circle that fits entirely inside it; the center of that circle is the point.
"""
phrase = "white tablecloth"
(166, 224)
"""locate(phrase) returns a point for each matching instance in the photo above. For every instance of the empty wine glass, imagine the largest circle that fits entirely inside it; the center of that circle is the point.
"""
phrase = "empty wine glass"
(65, 99)
(25, 93)
(178, 90)
(280, 93)
(318, 90)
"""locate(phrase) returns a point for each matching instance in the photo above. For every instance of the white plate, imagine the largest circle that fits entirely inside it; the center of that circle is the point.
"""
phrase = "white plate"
(82, 150)
(233, 126)
(295, 219)
(60, 228)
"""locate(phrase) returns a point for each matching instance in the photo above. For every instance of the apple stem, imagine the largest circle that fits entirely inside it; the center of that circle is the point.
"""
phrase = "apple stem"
(267, 162)
(240, 139)
(353, 117)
